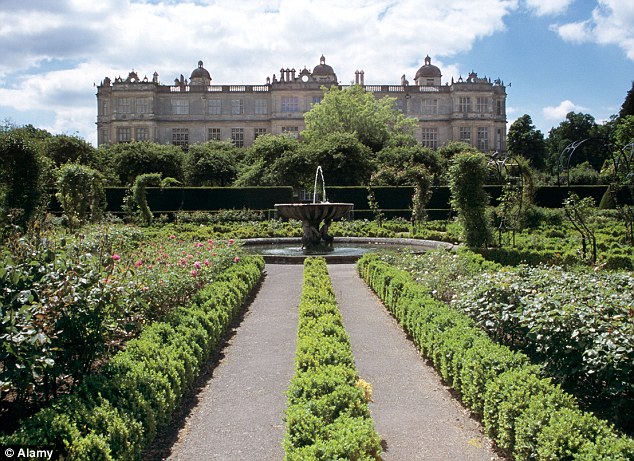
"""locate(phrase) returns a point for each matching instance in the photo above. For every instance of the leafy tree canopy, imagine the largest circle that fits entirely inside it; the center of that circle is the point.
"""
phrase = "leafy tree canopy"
(576, 127)
(63, 149)
(628, 105)
(525, 140)
(355, 111)
(344, 159)
(273, 160)
(214, 163)
(625, 131)
(402, 165)
(135, 158)
(21, 182)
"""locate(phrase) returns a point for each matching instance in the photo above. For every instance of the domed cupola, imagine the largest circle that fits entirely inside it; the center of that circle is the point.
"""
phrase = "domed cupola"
(323, 72)
(200, 76)
(428, 74)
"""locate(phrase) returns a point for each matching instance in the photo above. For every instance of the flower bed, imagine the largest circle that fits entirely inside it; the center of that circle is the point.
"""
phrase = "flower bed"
(115, 414)
(576, 324)
(327, 416)
(70, 301)
(526, 415)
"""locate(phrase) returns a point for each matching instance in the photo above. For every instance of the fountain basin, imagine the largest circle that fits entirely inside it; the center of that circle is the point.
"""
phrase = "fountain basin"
(316, 238)
(316, 212)
(287, 250)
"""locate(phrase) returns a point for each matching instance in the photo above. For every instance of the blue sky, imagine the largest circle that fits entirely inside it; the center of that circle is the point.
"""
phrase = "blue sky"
(555, 56)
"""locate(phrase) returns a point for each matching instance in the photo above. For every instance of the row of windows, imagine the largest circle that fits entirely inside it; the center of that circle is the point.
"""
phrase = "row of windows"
(124, 134)
(180, 136)
(180, 106)
(290, 104)
(482, 105)
(129, 106)
(482, 138)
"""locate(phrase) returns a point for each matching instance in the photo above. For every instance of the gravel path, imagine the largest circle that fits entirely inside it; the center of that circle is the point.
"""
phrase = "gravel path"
(240, 411)
(413, 411)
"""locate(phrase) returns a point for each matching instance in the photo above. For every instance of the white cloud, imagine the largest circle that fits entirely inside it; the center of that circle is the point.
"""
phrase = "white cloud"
(52, 56)
(612, 23)
(548, 7)
(559, 112)
(575, 32)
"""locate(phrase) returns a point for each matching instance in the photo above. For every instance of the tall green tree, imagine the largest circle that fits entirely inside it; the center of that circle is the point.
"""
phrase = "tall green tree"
(214, 163)
(63, 149)
(135, 158)
(344, 159)
(21, 173)
(628, 105)
(525, 140)
(355, 111)
(576, 127)
(274, 160)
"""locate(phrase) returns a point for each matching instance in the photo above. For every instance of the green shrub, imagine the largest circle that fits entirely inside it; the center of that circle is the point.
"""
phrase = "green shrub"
(327, 416)
(508, 396)
(527, 416)
(467, 176)
(116, 413)
(80, 191)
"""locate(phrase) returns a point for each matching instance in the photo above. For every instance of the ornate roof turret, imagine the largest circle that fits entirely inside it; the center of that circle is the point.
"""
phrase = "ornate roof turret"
(323, 72)
(200, 75)
(428, 74)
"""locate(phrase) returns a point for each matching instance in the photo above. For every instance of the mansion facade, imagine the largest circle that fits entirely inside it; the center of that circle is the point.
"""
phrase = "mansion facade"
(133, 109)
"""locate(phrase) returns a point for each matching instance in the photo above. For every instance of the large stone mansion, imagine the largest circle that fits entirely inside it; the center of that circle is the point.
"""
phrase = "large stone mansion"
(471, 110)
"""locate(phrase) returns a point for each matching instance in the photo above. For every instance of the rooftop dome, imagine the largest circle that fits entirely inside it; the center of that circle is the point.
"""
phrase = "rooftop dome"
(200, 72)
(428, 70)
(323, 68)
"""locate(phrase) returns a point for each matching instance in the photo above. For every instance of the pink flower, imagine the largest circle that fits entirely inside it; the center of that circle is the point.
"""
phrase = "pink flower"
(210, 241)
(194, 272)
(116, 257)
(231, 241)
(197, 265)
(236, 259)
(172, 237)
(206, 262)
(138, 263)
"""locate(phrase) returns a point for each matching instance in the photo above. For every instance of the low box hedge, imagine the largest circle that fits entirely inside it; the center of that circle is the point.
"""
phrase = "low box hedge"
(525, 414)
(327, 416)
(116, 413)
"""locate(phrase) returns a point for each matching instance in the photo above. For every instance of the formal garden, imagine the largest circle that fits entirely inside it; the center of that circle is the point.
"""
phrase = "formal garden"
(115, 295)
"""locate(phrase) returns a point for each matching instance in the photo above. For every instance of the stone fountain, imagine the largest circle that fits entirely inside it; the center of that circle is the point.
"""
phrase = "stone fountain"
(316, 238)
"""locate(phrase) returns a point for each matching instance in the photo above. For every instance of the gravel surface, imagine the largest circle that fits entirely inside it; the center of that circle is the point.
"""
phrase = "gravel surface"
(413, 411)
(240, 412)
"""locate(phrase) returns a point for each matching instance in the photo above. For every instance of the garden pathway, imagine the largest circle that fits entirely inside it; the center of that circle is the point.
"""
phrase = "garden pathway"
(413, 411)
(239, 414)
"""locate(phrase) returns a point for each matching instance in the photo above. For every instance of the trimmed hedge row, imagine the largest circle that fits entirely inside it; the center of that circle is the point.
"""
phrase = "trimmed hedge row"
(327, 416)
(115, 414)
(528, 416)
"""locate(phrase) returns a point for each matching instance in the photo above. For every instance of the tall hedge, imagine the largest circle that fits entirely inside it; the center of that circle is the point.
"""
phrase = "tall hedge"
(467, 176)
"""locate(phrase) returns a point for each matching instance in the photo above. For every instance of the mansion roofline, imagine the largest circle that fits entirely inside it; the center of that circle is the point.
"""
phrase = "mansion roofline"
(427, 80)
(194, 110)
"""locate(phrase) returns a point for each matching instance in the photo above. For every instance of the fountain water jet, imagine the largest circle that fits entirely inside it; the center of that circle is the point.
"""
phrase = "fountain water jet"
(316, 238)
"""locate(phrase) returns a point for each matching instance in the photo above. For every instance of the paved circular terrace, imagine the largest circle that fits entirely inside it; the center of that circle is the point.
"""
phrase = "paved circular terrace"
(239, 412)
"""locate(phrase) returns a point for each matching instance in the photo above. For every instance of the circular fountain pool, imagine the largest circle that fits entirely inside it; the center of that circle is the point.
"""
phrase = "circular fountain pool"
(348, 249)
